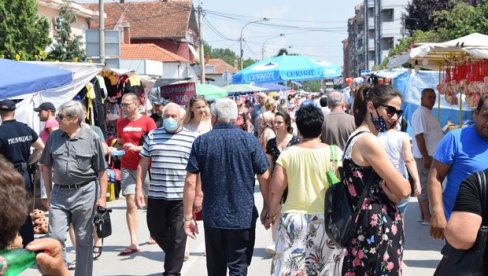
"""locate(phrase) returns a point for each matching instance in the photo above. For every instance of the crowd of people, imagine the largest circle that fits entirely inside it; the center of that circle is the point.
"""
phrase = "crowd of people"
(204, 158)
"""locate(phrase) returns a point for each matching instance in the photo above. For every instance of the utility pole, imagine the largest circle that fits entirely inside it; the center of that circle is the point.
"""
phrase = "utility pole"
(202, 50)
(101, 31)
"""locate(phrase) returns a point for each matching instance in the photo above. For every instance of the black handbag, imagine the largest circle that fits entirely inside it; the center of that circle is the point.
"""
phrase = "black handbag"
(472, 262)
(102, 222)
(339, 216)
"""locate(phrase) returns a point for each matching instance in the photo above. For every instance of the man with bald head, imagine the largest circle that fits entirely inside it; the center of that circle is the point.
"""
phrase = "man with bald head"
(338, 125)
(130, 131)
(168, 148)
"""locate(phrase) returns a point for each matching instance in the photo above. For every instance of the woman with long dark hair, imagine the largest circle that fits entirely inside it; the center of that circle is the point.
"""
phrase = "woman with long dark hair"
(377, 246)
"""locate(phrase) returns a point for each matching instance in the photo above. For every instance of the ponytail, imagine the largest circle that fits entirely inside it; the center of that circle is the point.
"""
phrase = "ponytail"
(378, 94)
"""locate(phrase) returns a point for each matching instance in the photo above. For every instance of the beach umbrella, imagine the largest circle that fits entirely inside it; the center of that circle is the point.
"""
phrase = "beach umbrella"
(243, 88)
(284, 68)
(211, 92)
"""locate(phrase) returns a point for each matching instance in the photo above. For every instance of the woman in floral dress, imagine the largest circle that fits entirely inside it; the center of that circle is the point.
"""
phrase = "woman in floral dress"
(302, 246)
(377, 246)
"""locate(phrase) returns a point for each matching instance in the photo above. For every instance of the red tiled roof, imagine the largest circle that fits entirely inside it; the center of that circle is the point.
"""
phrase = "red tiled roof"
(157, 19)
(220, 66)
(150, 52)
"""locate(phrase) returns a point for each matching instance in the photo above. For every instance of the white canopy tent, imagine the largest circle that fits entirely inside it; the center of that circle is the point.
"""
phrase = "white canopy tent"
(82, 74)
(433, 55)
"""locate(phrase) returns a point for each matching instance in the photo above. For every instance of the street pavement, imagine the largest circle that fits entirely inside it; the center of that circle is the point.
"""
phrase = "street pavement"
(421, 252)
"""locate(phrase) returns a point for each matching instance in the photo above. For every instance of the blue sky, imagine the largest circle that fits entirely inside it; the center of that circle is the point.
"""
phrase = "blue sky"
(310, 27)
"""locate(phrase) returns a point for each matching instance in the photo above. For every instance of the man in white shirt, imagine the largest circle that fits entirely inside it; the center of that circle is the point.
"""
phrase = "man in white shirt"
(427, 135)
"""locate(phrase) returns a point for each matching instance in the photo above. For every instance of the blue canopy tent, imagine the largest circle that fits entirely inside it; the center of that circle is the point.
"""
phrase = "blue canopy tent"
(410, 85)
(20, 78)
(284, 68)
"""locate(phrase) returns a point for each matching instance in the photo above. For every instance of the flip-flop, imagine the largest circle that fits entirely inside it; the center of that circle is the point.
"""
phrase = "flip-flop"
(128, 251)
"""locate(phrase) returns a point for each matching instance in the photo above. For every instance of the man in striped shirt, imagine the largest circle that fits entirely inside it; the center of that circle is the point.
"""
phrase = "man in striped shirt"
(168, 148)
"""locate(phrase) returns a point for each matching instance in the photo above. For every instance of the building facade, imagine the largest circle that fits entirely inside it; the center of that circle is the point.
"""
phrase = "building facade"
(376, 27)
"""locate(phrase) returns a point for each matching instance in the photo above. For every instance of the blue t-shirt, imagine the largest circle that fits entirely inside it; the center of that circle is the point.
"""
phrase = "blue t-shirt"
(465, 152)
(227, 159)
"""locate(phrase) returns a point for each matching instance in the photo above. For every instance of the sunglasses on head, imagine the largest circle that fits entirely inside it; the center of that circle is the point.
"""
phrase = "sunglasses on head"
(390, 110)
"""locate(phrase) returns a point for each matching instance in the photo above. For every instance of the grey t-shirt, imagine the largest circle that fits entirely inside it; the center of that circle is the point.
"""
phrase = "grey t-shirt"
(74, 160)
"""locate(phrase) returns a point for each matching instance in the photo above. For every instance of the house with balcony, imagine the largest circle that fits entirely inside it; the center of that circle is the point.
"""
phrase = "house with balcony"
(381, 22)
(50, 10)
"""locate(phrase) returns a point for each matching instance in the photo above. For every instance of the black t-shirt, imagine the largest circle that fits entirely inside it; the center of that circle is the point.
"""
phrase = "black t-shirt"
(16, 140)
(469, 196)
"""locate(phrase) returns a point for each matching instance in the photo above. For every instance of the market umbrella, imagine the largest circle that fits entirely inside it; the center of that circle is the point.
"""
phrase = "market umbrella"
(284, 68)
(211, 92)
(20, 78)
(243, 88)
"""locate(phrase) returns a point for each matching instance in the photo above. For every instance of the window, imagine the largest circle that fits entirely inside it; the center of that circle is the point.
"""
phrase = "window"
(387, 43)
(387, 15)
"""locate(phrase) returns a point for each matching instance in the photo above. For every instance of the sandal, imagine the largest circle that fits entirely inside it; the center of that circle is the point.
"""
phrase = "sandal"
(72, 265)
(97, 251)
(128, 251)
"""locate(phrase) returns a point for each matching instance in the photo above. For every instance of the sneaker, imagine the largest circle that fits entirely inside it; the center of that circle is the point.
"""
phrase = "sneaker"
(270, 249)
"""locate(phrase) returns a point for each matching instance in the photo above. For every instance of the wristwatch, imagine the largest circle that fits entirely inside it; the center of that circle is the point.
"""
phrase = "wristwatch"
(185, 219)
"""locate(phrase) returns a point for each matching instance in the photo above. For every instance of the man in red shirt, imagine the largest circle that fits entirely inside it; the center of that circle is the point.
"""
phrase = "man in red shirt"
(130, 132)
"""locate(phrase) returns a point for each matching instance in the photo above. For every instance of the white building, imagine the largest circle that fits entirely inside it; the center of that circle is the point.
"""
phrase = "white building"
(382, 21)
(50, 9)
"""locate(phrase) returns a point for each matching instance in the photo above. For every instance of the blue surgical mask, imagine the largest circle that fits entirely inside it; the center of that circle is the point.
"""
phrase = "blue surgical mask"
(170, 124)
(379, 123)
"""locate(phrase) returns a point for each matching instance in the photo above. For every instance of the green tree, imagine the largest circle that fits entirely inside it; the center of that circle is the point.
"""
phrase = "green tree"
(66, 47)
(420, 14)
(462, 20)
(23, 34)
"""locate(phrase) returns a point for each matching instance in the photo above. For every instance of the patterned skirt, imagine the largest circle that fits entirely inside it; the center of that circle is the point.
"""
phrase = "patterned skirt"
(302, 247)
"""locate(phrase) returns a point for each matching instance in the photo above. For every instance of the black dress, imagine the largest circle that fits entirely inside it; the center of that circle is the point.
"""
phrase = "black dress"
(272, 148)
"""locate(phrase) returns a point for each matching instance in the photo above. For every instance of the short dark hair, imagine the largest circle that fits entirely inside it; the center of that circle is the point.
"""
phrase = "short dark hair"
(427, 90)
(323, 101)
(287, 120)
(483, 98)
(12, 202)
(378, 94)
(309, 121)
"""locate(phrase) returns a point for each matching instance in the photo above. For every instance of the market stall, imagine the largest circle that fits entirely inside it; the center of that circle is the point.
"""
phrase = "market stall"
(461, 66)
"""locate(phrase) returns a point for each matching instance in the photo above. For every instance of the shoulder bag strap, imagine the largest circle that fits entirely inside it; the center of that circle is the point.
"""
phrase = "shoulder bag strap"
(484, 196)
(368, 182)
(351, 138)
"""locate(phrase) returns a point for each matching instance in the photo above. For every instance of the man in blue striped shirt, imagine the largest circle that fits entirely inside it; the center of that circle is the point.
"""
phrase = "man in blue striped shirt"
(168, 148)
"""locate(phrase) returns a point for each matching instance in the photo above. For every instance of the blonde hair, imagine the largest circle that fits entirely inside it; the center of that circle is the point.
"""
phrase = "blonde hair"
(189, 114)
(270, 105)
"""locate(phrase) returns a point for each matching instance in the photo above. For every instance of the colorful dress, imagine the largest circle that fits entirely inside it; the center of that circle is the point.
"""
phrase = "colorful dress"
(377, 246)
(302, 245)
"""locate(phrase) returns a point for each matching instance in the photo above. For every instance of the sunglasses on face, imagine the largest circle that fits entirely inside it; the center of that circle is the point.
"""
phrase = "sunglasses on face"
(390, 110)
(60, 117)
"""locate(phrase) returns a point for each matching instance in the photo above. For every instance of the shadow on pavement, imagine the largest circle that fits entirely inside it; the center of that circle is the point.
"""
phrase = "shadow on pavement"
(261, 252)
(422, 263)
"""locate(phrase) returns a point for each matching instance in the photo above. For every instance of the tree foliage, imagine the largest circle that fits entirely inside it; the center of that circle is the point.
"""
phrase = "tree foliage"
(66, 47)
(227, 55)
(420, 14)
(23, 34)
(463, 19)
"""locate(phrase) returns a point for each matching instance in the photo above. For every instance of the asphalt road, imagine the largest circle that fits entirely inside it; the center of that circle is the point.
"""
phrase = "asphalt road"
(420, 258)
